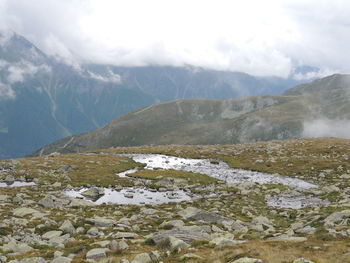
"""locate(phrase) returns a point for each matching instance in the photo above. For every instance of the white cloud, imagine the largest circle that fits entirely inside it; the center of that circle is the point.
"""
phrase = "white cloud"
(6, 92)
(313, 74)
(327, 128)
(258, 37)
(110, 77)
(17, 72)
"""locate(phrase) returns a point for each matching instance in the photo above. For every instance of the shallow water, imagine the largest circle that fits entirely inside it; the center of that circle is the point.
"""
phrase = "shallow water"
(220, 171)
(139, 196)
(16, 184)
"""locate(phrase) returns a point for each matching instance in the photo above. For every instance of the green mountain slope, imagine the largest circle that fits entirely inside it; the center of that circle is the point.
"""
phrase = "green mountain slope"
(259, 118)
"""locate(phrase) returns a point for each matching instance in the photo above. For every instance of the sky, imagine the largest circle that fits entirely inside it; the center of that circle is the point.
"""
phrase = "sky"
(263, 38)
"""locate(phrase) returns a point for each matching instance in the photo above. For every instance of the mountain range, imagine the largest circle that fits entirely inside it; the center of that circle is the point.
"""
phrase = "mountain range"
(229, 121)
(43, 99)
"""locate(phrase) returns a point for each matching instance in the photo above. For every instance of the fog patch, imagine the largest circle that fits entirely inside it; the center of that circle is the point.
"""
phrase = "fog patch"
(19, 71)
(327, 128)
(110, 77)
(6, 92)
(321, 73)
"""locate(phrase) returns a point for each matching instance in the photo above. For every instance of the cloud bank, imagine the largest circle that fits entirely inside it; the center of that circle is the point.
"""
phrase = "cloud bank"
(327, 128)
(258, 37)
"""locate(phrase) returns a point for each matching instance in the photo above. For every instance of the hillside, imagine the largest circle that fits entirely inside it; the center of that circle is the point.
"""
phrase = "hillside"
(259, 118)
(44, 98)
(104, 206)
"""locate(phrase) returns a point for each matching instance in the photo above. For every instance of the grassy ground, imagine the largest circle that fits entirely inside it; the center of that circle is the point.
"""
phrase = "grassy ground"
(323, 161)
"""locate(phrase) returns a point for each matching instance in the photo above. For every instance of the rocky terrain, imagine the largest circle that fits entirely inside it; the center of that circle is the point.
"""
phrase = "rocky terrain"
(229, 121)
(220, 222)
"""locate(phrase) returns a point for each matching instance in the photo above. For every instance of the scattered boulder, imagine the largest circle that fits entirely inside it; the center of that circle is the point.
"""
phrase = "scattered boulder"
(102, 221)
(186, 236)
(337, 218)
(173, 244)
(67, 227)
(61, 260)
(50, 201)
(286, 238)
(96, 253)
(190, 256)
(142, 258)
(24, 211)
(15, 247)
(80, 202)
(93, 193)
(223, 241)
(52, 234)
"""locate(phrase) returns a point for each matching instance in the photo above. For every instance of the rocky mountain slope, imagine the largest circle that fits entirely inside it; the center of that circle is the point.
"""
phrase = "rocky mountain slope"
(221, 222)
(259, 118)
(43, 99)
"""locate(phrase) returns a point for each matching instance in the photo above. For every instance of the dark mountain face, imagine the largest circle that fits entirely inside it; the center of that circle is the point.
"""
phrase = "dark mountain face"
(42, 99)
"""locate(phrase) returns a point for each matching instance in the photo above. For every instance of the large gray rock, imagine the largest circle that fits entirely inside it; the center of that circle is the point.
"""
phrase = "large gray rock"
(302, 260)
(223, 241)
(52, 234)
(247, 260)
(96, 253)
(61, 260)
(125, 235)
(186, 236)
(172, 224)
(142, 258)
(9, 179)
(24, 211)
(286, 238)
(188, 212)
(93, 192)
(102, 221)
(192, 213)
(33, 260)
(174, 243)
(15, 247)
(337, 218)
(67, 227)
(50, 201)
(80, 202)
(4, 198)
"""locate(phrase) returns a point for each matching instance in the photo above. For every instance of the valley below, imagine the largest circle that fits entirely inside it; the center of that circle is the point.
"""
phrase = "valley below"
(278, 201)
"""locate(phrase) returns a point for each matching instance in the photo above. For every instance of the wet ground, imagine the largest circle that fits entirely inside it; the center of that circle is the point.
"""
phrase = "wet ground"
(16, 184)
(134, 196)
(219, 170)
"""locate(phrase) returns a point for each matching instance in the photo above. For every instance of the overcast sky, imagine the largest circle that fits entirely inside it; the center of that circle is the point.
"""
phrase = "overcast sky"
(267, 37)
